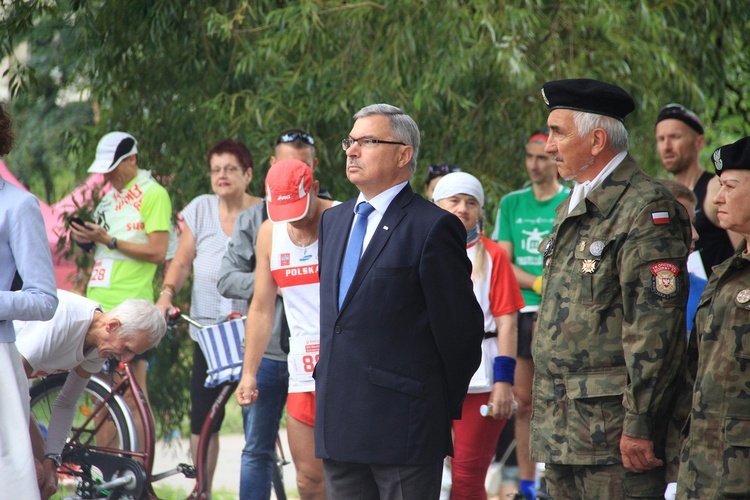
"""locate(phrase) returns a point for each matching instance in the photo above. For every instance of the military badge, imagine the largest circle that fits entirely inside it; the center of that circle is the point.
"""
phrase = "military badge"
(718, 163)
(548, 244)
(744, 296)
(597, 248)
(581, 246)
(544, 96)
(588, 266)
(664, 282)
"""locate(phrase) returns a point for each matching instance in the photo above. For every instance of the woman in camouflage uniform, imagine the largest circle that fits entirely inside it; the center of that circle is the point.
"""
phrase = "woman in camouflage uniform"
(715, 459)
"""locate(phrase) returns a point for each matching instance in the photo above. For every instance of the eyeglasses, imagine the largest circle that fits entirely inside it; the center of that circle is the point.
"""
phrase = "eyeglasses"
(366, 142)
(438, 169)
(295, 136)
(230, 170)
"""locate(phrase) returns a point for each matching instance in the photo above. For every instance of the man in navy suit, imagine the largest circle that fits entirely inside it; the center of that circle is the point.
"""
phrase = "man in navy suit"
(401, 342)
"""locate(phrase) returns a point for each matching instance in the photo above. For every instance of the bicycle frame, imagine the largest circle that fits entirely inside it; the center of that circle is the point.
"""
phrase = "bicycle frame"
(146, 457)
(201, 484)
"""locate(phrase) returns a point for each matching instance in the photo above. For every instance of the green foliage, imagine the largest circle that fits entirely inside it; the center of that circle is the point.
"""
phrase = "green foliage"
(179, 75)
(66, 247)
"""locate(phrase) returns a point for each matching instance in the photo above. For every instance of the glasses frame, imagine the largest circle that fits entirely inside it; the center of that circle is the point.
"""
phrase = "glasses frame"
(369, 142)
(228, 170)
(288, 137)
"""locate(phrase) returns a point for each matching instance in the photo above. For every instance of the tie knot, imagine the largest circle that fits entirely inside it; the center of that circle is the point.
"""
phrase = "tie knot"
(364, 209)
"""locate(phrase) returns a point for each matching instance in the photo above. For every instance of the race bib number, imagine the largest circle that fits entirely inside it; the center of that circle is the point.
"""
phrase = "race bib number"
(102, 273)
(303, 355)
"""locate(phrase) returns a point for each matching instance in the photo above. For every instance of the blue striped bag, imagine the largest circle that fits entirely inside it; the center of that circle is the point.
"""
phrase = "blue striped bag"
(223, 345)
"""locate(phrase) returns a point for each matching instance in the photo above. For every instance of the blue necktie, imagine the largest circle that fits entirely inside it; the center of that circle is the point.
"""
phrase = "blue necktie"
(354, 249)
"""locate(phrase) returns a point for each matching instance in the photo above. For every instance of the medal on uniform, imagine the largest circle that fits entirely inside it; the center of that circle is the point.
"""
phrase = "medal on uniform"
(744, 296)
(581, 246)
(588, 266)
(597, 248)
(549, 246)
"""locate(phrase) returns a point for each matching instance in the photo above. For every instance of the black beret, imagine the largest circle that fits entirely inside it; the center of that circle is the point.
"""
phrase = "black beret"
(735, 156)
(590, 96)
(680, 112)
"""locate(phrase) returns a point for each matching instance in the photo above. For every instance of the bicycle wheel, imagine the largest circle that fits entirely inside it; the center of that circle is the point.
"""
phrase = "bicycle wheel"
(113, 427)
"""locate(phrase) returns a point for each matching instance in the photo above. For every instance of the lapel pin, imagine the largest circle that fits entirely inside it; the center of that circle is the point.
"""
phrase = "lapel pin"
(385, 227)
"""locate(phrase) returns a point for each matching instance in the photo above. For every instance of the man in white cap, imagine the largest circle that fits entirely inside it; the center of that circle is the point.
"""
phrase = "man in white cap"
(287, 260)
(130, 231)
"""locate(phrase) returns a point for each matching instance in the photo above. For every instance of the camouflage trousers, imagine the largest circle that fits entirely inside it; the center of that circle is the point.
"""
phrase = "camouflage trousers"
(611, 482)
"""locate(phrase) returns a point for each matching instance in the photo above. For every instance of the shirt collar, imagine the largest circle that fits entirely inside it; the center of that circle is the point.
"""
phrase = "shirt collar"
(382, 201)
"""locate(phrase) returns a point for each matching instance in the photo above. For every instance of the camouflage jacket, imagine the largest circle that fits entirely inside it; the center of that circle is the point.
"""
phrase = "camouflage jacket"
(715, 460)
(610, 336)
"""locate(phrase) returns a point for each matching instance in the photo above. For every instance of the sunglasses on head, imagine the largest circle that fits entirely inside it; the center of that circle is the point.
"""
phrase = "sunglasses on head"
(437, 169)
(295, 136)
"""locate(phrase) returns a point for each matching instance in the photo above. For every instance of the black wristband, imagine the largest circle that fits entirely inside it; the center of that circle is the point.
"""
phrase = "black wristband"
(55, 457)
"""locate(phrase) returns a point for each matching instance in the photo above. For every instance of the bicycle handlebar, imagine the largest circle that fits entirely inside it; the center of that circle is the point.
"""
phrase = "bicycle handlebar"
(174, 315)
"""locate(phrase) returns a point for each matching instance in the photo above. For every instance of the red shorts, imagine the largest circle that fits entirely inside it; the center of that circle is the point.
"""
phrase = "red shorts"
(301, 406)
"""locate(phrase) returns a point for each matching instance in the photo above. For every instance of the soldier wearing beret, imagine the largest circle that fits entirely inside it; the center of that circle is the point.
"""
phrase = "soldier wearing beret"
(610, 336)
(715, 459)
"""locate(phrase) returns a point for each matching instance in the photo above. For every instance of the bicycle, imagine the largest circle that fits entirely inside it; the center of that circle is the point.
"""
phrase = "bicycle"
(102, 454)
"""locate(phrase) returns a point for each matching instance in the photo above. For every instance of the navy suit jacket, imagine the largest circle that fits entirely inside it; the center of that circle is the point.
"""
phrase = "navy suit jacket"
(396, 361)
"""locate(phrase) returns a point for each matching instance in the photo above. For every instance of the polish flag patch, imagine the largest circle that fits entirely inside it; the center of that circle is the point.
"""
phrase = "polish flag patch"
(660, 218)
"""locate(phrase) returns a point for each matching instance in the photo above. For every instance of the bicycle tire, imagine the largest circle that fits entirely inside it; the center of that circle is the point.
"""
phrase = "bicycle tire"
(277, 480)
(125, 437)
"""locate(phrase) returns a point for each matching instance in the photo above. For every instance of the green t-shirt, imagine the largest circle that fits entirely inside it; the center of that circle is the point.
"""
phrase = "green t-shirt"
(524, 221)
(132, 279)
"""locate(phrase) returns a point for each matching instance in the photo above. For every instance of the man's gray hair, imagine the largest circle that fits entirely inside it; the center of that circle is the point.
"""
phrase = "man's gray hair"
(138, 315)
(617, 134)
(403, 126)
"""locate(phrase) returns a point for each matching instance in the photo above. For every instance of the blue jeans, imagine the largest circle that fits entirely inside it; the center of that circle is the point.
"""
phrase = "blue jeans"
(261, 421)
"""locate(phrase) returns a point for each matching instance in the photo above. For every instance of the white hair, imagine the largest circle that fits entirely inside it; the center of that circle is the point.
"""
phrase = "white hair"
(138, 315)
(617, 134)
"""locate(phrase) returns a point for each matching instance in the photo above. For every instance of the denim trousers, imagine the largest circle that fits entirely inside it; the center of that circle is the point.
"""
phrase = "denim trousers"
(261, 421)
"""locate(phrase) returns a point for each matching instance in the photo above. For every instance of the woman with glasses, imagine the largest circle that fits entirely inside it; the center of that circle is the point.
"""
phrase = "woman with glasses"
(499, 295)
(209, 222)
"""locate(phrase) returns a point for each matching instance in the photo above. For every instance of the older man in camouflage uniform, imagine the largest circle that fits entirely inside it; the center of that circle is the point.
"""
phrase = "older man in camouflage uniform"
(610, 337)
(715, 461)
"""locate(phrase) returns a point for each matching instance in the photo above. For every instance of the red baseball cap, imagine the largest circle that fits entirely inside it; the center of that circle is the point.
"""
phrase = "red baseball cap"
(288, 186)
